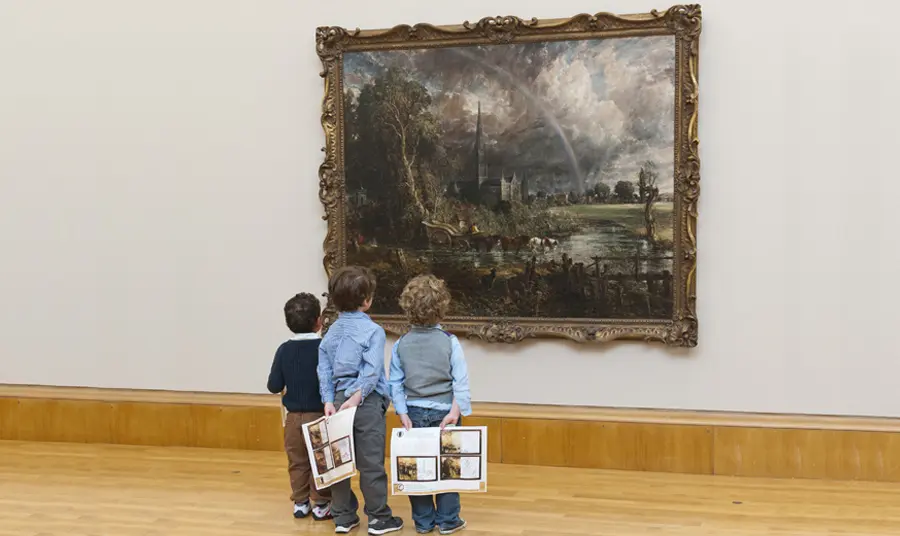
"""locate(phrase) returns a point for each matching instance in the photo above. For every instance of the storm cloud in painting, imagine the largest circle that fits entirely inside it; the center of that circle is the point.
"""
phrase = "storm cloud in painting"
(570, 114)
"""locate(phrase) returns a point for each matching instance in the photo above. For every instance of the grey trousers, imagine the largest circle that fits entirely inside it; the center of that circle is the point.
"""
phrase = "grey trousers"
(369, 431)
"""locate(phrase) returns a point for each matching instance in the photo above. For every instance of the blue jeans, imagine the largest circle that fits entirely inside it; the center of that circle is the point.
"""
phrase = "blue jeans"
(425, 515)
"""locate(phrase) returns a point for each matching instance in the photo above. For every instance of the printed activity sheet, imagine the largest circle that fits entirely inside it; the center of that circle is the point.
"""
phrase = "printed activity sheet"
(329, 442)
(425, 461)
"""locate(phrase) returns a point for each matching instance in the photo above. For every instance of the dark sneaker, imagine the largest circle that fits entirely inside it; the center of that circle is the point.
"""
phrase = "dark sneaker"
(344, 528)
(385, 526)
(321, 512)
(424, 530)
(456, 527)
(301, 510)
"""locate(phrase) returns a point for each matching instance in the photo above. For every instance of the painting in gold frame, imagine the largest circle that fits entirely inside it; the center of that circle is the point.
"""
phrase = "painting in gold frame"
(547, 170)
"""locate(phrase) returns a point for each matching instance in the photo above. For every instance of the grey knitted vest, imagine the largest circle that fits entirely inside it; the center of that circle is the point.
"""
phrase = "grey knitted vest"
(425, 357)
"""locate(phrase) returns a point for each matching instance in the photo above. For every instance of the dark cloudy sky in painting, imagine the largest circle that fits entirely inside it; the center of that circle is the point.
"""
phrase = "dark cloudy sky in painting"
(563, 112)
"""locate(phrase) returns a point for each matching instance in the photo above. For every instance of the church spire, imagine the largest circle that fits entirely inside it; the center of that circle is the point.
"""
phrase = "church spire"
(478, 123)
(480, 164)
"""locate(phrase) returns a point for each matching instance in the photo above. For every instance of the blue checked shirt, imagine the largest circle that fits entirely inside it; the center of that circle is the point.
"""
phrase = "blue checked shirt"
(351, 358)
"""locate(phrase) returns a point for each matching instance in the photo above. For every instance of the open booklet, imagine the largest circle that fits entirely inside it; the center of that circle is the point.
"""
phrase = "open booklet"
(329, 442)
(425, 461)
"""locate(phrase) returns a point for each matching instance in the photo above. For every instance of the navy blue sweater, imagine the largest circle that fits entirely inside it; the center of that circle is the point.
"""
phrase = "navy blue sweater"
(294, 367)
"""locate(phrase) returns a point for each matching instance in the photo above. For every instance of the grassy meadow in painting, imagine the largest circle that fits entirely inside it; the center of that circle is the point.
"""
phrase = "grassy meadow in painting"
(536, 179)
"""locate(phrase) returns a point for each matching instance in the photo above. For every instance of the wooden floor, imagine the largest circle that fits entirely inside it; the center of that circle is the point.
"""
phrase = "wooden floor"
(70, 489)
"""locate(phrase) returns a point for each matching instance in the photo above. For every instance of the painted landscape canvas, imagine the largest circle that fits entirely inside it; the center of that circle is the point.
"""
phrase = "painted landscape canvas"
(537, 178)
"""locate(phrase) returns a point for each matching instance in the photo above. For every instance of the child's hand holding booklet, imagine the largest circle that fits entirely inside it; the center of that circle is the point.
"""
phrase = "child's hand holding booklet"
(329, 441)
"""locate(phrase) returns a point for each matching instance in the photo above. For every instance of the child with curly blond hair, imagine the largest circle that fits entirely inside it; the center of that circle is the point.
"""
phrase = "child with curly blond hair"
(429, 384)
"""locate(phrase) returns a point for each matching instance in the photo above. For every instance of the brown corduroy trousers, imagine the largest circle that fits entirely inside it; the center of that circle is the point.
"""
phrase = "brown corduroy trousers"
(303, 487)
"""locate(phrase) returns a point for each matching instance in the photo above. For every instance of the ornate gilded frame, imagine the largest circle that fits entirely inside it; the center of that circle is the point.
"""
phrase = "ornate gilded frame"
(682, 21)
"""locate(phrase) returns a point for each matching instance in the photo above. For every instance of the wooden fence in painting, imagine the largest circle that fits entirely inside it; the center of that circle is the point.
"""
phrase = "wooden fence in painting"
(592, 280)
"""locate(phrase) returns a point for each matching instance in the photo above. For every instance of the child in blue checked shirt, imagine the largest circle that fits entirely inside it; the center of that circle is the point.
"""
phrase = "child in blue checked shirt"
(351, 374)
(430, 387)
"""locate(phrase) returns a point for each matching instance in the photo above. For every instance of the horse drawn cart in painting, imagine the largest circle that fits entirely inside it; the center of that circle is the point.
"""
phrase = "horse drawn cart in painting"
(449, 236)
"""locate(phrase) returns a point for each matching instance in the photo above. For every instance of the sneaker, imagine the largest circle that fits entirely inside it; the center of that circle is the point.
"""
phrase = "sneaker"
(391, 524)
(301, 510)
(346, 527)
(456, 527)
(424, 531)
(321, 512)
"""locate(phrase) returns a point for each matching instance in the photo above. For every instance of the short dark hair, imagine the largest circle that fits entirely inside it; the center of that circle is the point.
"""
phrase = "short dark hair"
(302, 312)
(350, 287)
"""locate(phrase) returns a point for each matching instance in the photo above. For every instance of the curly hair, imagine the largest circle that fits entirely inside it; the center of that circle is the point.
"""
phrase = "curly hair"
(425, 300)
(301, 313)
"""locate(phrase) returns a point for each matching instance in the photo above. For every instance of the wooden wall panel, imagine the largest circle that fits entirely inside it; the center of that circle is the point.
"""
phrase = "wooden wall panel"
(140, 423)
(642, 447)
(72, 421)
(820, 454)
(536, 442)
(843, 448)
(237, 428)
(9, 420)
(626, 446)
(158, 425)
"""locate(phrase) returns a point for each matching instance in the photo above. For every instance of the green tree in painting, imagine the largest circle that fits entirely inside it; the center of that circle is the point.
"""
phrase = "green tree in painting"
(647, 178)
(624, 191)
(602, 191)
(400, 135)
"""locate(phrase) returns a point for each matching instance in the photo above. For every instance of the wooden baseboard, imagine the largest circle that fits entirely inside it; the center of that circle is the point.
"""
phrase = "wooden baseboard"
(121, 416)
(778, 446)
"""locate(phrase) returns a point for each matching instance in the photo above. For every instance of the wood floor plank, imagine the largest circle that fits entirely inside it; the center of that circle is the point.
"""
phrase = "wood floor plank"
(56, 489)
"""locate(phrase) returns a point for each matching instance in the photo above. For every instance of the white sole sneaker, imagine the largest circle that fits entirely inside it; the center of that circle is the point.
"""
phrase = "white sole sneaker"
(344, 529)
(456, 529)
(301, 510)
(321, 513)
(387, 530)
(379, 532)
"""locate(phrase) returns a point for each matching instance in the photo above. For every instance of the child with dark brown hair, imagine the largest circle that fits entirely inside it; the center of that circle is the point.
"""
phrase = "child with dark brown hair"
(351, 374)
(294, 373)
(430, 387)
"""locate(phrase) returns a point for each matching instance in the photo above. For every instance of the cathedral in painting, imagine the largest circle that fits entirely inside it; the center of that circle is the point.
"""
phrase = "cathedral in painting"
(480, 188)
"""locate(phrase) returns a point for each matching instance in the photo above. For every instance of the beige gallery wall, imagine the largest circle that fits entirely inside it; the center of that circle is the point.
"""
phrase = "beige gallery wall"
(158, 202)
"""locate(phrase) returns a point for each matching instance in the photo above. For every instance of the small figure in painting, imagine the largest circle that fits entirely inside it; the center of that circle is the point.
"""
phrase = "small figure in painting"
(429, 384)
